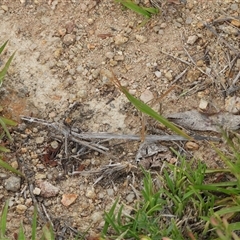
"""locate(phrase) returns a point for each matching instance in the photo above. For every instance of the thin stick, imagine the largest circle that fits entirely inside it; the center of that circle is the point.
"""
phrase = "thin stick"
(220, 38)
(236, 78)
(179, 76)
(231, 64)
(36, 202)
(47, 215)
(78, 137)
(179, 59)
(196, 65)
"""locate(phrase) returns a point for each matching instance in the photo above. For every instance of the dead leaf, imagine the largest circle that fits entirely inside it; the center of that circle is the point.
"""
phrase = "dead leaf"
(68, 199)
(194, 120)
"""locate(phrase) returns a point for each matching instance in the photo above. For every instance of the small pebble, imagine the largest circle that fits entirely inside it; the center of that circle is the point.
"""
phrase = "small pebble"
(232, 104)
(90, 21)
(156, 29)
(3, 175)
(110, 192)
(109, 55)
(35, 130)
(168, 75)
(200, 63)
(96, 217)
(146, 96)
(47, 189)
(90, 193)
(234, 6)
(236, 22)
(158, 74)
(20, 209)
(69, 39)
(39, 140)
(130, 197)
(163, 25)
(189, 20)
(203, 104)
(28, 202)
(119, 58)
(13, 184)
(14, 164)
(192, 146)
(141, 38)
(192, 39)
(120, 39)
(36, 191)
(62, 31)
(4, 7)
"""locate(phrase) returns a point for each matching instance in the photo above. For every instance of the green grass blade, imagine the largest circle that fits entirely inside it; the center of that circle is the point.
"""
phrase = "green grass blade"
(119, 215)
(121, 237)
(110, 215)
(3, 46)
(3, 220)
(144, 108)
(34, 223)
(151, 10)
(4, 70)
(21, 235)
(9, 121)
(134, 7)
(111, 222)
(48, 232)
(9, 168)
(227, 210)
(234, 226)
(233, 191)
(3, 149)
(3, 124)
(223, 184)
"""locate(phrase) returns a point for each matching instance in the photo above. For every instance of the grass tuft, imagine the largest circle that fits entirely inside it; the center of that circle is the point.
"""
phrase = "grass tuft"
(4, 122)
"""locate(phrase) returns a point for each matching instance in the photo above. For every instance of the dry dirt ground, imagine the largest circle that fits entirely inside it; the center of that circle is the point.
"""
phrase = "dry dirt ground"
(66, 53)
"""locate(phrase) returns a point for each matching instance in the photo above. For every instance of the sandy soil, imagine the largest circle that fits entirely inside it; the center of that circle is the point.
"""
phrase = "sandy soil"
(66, 53)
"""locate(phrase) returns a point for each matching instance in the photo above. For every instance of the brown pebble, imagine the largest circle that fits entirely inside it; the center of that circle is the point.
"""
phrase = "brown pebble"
(192, 146)
(68, 199)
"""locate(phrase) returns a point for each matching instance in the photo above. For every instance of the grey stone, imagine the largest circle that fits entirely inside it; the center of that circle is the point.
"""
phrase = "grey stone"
(13, 184)
(109, 55)
(158, 74)
(69, 39)
(192, 39)
(110, 192)
(146, 96)
(39, 140)
(96, 217)
(234, 6)
(47, 189)
(130, 197)
(232, 104)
